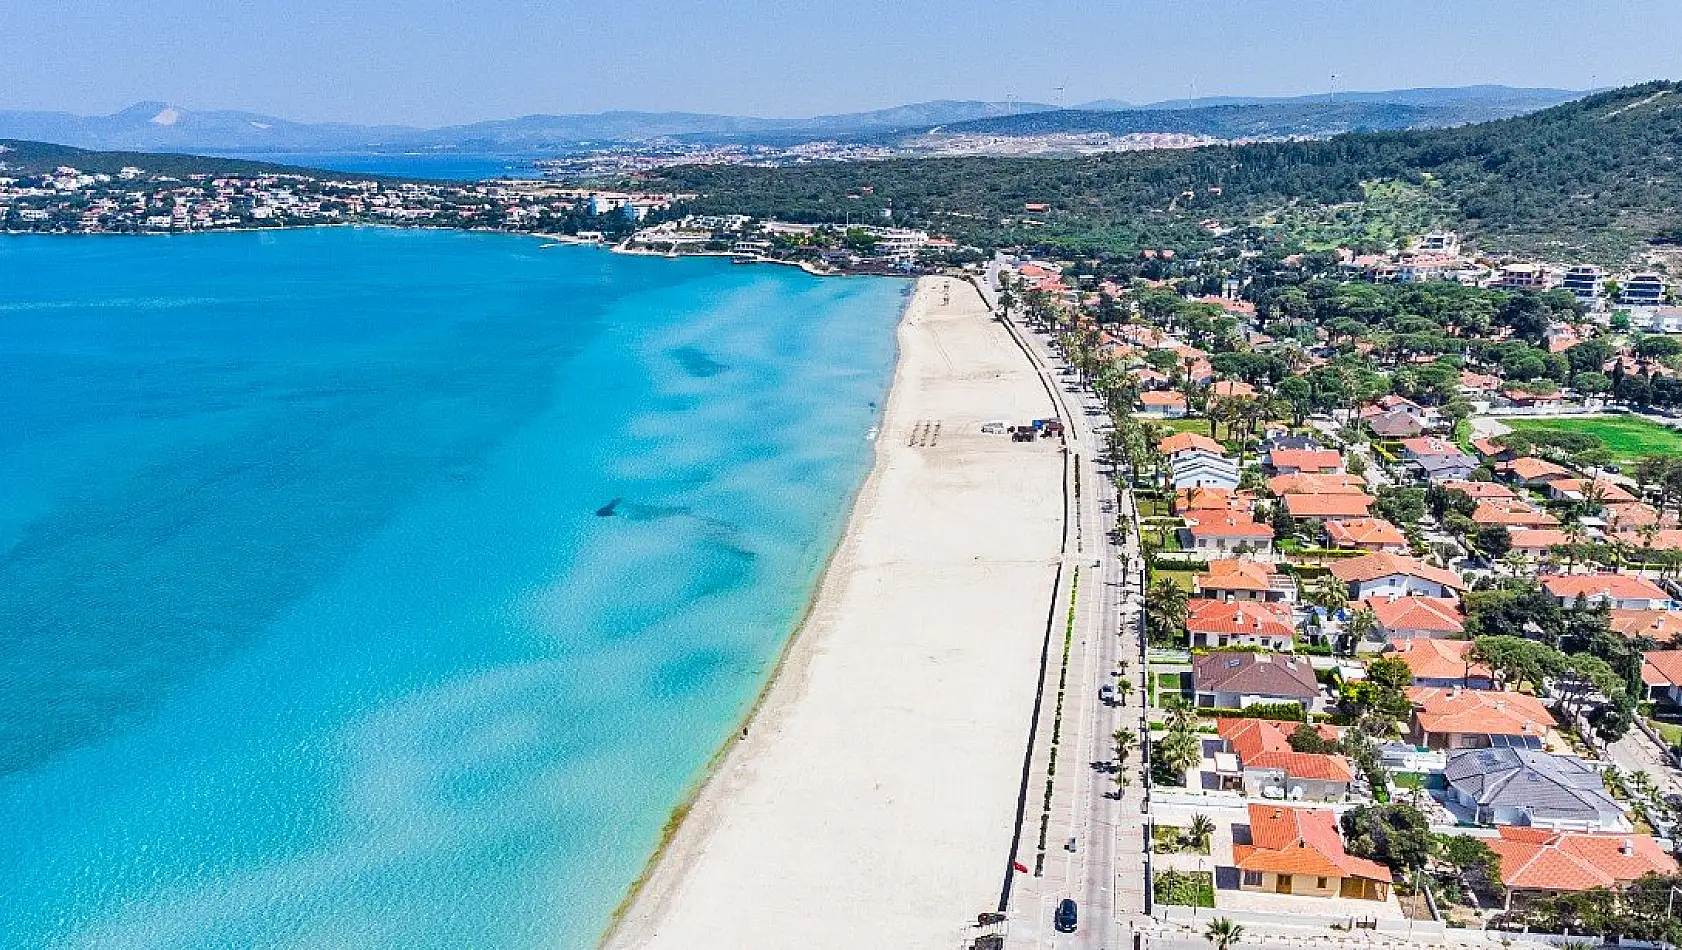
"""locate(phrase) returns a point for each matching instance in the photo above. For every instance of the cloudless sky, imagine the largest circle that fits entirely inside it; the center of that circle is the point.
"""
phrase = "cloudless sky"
(431, 62)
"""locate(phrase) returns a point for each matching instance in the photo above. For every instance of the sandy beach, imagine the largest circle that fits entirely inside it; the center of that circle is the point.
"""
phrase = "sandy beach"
(872, 801)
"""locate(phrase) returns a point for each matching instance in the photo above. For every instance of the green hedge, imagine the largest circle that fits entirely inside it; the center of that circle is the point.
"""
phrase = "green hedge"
(1278, 712)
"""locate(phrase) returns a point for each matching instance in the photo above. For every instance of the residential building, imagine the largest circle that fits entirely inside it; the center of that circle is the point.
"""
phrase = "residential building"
(1602, 490)
(1287, 850)
(1536, 862)
(1455, 718)
(1181, 443)
(1482, 491)
(1162, 404)
(1310, 461)
(1227, 532)
(1523, 276)
(1213, 499)
(1197, 469)
(1584, 281)
(1323, 507)
(1395, 425)
(1229, 579)
(1642, 290)
(1660, 626)
(1395, 575)
(1621, 591)
(1366, 534)
(1441, 663)
(1536, 543)
(1403, 619)
(1440, 459)
(1533, 472)
(1231, 389)
(1661, 676)
(1530, 788)
(1339, 484)
(1264, 765)
(1240, 623)
(1513, 513)
(1237, 680)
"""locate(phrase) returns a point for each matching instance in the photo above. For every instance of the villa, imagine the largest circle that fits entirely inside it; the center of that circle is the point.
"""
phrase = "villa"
(1298, 851)
(1455, 718)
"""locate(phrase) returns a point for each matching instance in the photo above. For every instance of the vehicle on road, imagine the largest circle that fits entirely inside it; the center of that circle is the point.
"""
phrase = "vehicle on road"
(1065, 920)
(1106, 694)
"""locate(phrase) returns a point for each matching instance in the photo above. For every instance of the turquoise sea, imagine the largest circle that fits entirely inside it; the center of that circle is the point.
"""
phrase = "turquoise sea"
(311, 634)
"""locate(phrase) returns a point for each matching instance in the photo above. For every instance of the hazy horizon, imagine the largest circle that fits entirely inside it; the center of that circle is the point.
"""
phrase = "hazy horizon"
(424, 63)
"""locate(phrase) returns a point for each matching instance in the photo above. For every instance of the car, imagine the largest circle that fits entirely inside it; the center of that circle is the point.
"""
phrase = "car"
(1066, 917)
(1106, 693)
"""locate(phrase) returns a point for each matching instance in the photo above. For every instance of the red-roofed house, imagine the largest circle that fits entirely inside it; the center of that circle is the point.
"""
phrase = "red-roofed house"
(1227, 532)
(1443, 663)
(1181, 442)
(1298, 851)
(1244, 580)
(1319, 507)
(1660, 626)
(1513, 514)
(1401, 619)
(1455, 718)
(1231, 389)
(1622, 591)
(1482, 491)
(1536, 862)
(1579, 489)
(1340, 484)
(1236, 623)
(1366, 534)
(1269, 768)
(1305, 461)
(1162, 404)
(1395, 575)
(1661, 674)
(1534, 472)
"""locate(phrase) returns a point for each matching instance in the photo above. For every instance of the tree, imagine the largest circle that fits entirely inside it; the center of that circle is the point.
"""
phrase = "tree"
(1395, 835)
(1165, 611)
(1494, 540)
(1465, 856)
(1202, 826)
(1223, 932)
(1306, 738)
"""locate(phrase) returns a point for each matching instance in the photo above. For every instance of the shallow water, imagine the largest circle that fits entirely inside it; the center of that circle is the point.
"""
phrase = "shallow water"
(310, 631)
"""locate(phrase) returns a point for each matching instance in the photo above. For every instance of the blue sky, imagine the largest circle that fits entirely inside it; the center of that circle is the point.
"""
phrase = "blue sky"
(432, 62)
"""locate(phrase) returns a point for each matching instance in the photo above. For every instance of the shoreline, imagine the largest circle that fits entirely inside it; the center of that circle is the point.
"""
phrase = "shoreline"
(801, 692)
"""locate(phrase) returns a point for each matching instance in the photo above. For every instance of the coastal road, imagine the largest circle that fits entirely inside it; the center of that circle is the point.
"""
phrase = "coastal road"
(1104, 872)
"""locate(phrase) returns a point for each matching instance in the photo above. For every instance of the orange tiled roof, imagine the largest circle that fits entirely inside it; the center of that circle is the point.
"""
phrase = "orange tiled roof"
(1327, 506)
(1252, 617)
(1538, 859)
(1482, 490)
(1310, 483)
(1301, 841)
(1229, 524)
(1661, 667)
(1358, 531)
(1309, 460)
(1373, 566)
(1432, 614)
(1228, 574)
(1437, 659)
(1213, 499)
(1266, 744)
(1189, 441)
(1232, 388)
(1511, 513)
(1539, 539)
(1161, 398)
(1657, 624)
(1431, 445)
(1529, 469)
(1479, 712)
(1618, 586)
(1664, 539)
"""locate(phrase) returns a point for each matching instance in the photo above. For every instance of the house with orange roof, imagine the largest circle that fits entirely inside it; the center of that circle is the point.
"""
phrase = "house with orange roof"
(1660, 626)
(1620, 591)
(1478, 385)
(1442, 663)
(1537, 862)
(1182, 442)
(1240, 623)
(1395, 575)
(1403, 619)
(1305, 461)
(1661, 676)
(1338, 484)
(1581, 489)
(1288, 850)
(1366, 534)
(1231, 389)
(1162, 404)
(1659, 539)
(1323, 507)
(1632, 517)
(1228, 579)
(1260, 762)
(1482, 491)
(1226, 532)
(1455, 718)
(1533, 472)
(1537, 542)
(1512, 514)
(1213, 499)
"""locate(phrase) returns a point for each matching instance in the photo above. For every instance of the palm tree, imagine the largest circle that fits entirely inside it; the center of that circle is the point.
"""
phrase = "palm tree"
(1223, 932)
(1202, 826)
(1125, 740)
(1165, 609)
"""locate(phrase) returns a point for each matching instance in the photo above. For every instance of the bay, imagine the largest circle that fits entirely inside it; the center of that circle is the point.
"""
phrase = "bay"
(311, 633)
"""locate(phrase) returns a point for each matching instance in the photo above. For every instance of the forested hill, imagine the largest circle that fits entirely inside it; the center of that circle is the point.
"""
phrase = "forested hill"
(34, 158)
(1596, 179)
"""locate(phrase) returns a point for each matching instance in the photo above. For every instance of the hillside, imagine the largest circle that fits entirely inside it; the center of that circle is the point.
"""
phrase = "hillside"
(37, 157)
(1596, 179)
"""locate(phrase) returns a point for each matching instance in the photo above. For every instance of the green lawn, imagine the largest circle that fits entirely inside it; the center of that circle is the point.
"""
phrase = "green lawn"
(1185, 888)
(1173, 840)
(1196, 424)
(1182, 578)
(1628, 438)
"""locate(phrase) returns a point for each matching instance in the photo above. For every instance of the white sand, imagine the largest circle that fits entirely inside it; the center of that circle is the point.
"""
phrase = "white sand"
(873, 801)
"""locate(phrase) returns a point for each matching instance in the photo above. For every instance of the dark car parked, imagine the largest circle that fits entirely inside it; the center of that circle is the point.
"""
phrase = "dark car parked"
(1065, 918)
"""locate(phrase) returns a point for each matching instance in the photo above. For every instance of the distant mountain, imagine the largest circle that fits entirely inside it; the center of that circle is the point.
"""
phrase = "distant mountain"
(1515, 98)
(150, 126)
(1297, 118)
(158, 126)
(34, 158)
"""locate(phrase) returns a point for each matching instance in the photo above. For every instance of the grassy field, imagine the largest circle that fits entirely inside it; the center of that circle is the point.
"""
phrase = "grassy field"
(1628, 438)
